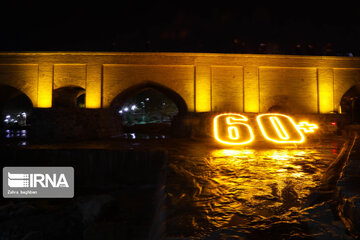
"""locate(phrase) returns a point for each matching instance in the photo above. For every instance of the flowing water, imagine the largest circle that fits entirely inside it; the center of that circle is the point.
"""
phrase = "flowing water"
(211, 188)
(215, 192)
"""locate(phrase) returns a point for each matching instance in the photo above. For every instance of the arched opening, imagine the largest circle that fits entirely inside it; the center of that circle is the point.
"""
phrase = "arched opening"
(350, 103)
(148, 110)
(281, 104)
(16, 109)
(278, 109)
(69, 97)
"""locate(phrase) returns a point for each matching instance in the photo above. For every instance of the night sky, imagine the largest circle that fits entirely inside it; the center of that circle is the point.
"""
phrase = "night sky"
(179, 26)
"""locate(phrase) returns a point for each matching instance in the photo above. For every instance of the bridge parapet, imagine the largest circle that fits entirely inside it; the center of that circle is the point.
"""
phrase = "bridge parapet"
(206, 82)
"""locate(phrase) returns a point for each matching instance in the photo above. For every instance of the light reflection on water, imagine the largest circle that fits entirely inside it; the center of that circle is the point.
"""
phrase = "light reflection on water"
(15, 133)
(261, 182)
(16, 137)
(140, 136)
(207, 189)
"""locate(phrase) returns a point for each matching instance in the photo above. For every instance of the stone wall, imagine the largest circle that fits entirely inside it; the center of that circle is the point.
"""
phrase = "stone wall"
(206, 82)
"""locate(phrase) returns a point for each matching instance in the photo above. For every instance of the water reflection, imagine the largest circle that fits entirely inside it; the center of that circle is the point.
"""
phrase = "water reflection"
(210, 188)
(10, 133)
(141, 136)
(14, 137)
(263, 183)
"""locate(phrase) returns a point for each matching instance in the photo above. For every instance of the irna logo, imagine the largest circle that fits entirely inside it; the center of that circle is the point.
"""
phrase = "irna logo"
(21, 180)
(38, 182)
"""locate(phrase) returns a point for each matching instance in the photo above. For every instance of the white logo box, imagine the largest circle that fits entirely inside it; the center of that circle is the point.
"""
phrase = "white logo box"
(38, 182)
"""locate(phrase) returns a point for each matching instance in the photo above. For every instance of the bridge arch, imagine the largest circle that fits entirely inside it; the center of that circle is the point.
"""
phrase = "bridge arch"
(69, 97)
(350, 103)
(13, 98)
(22, 77)
(279, 109)
(149, 108)
(132, 91)
(15, 109)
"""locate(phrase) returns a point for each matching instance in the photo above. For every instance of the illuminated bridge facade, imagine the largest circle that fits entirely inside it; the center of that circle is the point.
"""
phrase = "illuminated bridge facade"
(204, 82)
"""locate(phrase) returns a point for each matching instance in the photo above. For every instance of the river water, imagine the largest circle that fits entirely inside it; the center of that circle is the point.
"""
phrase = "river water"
(258, 192)
(211, 188)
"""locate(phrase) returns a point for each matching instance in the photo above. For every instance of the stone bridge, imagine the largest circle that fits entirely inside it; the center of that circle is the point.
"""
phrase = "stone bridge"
(197, 82)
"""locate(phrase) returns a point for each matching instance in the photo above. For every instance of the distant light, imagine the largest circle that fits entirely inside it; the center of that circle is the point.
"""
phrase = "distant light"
(133, 107)
(126, 109)
(23, 114)
(120, 111)
(8, 116)
(333, 123)
(147, 99)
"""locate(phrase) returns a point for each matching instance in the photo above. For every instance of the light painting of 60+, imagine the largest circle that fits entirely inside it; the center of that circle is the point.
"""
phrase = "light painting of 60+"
(232, 128)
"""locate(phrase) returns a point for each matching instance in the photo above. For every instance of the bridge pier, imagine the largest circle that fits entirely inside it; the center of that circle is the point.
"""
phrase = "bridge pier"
(70, 125)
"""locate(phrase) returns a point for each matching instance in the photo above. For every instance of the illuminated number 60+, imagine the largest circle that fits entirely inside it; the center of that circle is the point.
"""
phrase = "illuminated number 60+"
(279, 128)
(229, 128)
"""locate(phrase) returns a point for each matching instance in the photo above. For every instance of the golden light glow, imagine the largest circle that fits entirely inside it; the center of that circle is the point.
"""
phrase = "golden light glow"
(307, 127)
(44, 96)
(230, 129)
(203, 89)
(238, 133)
(276, 123)
(326, 90)
(291, 130)
(44, 100)
(251, 89)
(233, 131)
(45, 86)
(240, 176)
(93, 100)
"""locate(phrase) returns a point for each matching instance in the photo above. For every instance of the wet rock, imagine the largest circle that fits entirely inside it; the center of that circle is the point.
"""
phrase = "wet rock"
(348, 190)
(309, 168)
(321, 223)
(318, 196)
(348, 187)
(96, 207)
(289, 196)
(349, 210)
(333, 172)
(239, 219)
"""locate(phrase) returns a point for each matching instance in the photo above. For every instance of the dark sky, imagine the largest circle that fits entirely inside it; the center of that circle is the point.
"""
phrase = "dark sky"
(180, 26)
